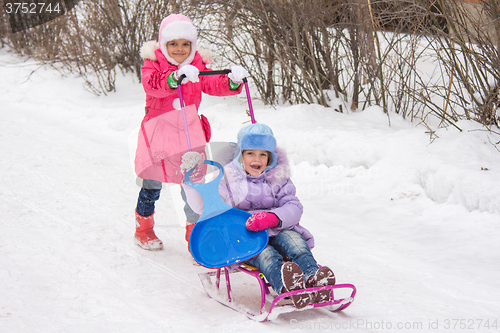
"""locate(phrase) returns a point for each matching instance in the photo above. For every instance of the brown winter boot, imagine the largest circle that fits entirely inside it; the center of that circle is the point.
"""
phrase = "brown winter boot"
(144, 235)
(293, 279)
(323, 277)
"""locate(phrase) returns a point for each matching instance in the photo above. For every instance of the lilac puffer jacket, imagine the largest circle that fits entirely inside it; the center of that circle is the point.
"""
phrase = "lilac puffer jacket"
(273, 191)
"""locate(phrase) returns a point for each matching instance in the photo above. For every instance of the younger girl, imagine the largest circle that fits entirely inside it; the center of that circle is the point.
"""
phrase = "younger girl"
(257, 181)
(164, 62)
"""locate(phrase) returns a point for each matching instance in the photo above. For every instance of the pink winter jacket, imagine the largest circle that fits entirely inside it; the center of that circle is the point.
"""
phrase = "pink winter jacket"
(159, 163)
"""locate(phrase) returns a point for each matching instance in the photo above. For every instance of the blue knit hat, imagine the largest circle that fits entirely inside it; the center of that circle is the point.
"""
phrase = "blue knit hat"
(258, 136)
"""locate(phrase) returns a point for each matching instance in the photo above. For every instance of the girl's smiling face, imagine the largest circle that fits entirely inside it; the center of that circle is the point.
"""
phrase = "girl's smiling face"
(179, 49)
(255, 161)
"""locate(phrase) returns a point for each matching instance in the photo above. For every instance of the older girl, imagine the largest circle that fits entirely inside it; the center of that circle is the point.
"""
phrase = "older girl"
(165, 61)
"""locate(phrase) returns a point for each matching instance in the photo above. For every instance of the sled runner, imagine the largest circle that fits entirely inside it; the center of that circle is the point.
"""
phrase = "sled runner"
(271, 305)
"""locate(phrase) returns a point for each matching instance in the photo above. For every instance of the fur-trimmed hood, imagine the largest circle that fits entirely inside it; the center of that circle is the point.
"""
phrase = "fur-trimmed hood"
(148, 49)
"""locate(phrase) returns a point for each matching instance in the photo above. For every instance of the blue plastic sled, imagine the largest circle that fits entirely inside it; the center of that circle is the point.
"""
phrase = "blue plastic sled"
(220, 237)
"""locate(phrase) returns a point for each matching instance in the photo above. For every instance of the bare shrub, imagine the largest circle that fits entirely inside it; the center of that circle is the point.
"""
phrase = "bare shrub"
(291, 53)
(366, 53)
(94, 39)
(344, 54)
(469, 56)
(311, 52)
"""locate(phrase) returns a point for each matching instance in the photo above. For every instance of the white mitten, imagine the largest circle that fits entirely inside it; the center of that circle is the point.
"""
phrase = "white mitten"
(189, 161)
(191, 73)
(237, 74)
(193, 160)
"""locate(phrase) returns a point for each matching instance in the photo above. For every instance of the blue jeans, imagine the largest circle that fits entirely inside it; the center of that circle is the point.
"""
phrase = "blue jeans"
(150, 193)
(289, 244)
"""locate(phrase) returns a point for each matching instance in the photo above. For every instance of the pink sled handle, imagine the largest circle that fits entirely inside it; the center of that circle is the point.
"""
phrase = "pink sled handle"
(203, 73)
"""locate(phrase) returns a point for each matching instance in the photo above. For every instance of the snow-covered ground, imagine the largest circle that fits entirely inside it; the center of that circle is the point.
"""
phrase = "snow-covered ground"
(414, 225)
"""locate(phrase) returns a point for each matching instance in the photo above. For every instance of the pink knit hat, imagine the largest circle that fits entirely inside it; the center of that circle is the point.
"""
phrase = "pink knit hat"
(177, 26)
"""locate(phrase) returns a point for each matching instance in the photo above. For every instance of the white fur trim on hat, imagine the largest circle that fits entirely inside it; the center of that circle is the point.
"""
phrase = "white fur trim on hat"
(177, 26)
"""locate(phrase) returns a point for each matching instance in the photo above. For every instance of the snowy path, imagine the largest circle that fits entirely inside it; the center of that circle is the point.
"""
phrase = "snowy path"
(414, 226)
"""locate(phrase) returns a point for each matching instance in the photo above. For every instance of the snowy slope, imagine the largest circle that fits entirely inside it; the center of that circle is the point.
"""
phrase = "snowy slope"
(414, 225)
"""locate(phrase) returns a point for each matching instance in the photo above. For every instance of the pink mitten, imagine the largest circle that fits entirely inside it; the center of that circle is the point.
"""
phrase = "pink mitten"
(261, 221)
